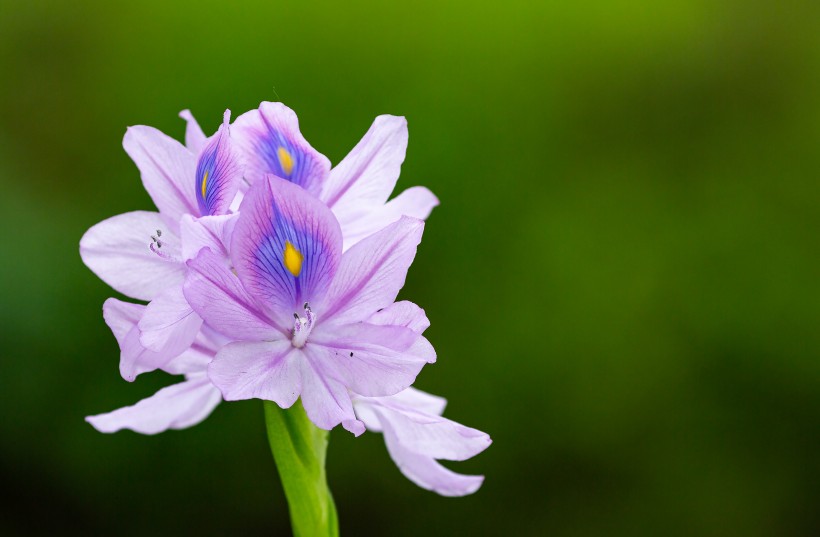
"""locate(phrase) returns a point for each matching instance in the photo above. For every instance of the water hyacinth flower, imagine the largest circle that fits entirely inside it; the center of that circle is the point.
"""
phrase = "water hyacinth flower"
(193, 194)
(279, 283)
(296, 307)
(356, 190)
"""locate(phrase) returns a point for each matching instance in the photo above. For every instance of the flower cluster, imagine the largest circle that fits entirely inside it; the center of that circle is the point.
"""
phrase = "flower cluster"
(270, 275)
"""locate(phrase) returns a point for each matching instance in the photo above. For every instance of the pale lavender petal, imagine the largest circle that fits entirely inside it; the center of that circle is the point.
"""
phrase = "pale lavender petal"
(218, 172)
(217, 295)
(369, 359)
(365, 178)
(272, 144)
(134, 358)
(372, 273)
(167, 169)
(286, 247)
(416, 202)
(212, 232)
(118, 250)
(326, 400)
(193, 360)
(175, 407)
(268, 370)
(195, 139)
(402, 313)
(169, 325)
(429, 434)
(425, 472)
(419, 401)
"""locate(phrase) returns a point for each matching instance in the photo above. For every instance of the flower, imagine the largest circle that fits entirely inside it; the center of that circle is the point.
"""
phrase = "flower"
(296, 308)
(193, 194)
(178, 406)
(356, 190)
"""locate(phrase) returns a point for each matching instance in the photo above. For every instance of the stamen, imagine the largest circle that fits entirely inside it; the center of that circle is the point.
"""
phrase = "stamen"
(302, 327)
(156, 245)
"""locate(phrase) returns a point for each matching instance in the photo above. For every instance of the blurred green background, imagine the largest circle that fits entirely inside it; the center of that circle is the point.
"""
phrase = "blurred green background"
(622, 275)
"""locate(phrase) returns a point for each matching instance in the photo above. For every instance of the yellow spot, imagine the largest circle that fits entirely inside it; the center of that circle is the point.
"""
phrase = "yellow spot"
(285, 160)
(204, 183)
(293, 259)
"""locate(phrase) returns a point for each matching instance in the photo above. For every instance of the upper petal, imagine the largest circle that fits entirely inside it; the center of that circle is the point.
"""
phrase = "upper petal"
(372, 273)
(175, 407)
(272, 144)
(218, 172)
(365, 178)
(118, 250)
(167, 169)
(286, 247)
(195, 139)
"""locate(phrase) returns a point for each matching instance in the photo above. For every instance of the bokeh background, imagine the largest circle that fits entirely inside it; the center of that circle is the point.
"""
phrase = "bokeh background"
(622, 275)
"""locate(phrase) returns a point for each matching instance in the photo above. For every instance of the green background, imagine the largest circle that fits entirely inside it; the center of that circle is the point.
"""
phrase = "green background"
(622, 276)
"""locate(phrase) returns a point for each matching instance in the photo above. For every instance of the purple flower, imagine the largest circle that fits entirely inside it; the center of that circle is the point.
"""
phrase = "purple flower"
(194, 193)
(296, 308)
(176, 407)
(356, 190)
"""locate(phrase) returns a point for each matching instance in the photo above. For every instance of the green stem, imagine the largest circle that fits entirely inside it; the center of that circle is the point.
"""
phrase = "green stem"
(299, 449)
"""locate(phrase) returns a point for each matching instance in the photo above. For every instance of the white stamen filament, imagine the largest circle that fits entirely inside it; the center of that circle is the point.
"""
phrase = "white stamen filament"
(302, 327)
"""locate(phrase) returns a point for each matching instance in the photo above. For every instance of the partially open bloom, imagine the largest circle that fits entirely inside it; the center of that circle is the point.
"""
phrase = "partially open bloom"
(296, 307)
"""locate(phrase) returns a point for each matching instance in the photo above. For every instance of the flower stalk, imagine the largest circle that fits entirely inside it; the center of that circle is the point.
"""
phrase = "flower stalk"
(299, 450)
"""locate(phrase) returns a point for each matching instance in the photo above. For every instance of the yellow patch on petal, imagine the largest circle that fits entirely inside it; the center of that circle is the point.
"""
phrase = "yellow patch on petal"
(293, 259)
(285, 160)
(204, 184)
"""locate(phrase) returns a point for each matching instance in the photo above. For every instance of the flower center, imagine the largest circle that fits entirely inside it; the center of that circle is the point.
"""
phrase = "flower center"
(302, 327)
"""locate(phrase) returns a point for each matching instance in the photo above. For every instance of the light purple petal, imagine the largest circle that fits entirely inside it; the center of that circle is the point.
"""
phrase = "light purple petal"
(402, 313)
(169, 325)
(369, 359)
(410, 398)
(175, 407)
(326, 400)
(429, 434)
(118, 250)
(272, 144)
(167, 169)
(268, 370)
(218, 172)
(372, 273)
(416, 202)
(195, 139)
(425, 472)
(212, 232)
(286, 247)
(134, 358)
(365, 178)
(218, 297)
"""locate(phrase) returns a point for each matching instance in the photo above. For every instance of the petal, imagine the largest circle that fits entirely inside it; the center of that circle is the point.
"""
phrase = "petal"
(286, 247)
(167, 169)
(218, 172)
(402, 313)
(175, 407)
(416, 202)
(372, 273)
(272, 144)
(121, 317)
(326, 400)
(266, 370)
(365, 178)
(429, 434)
(169, 325)
(425, 472)
(218, 297)
(118, 250)
(195, 139)
(369, 359)
(212, 232)
(134, 358)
